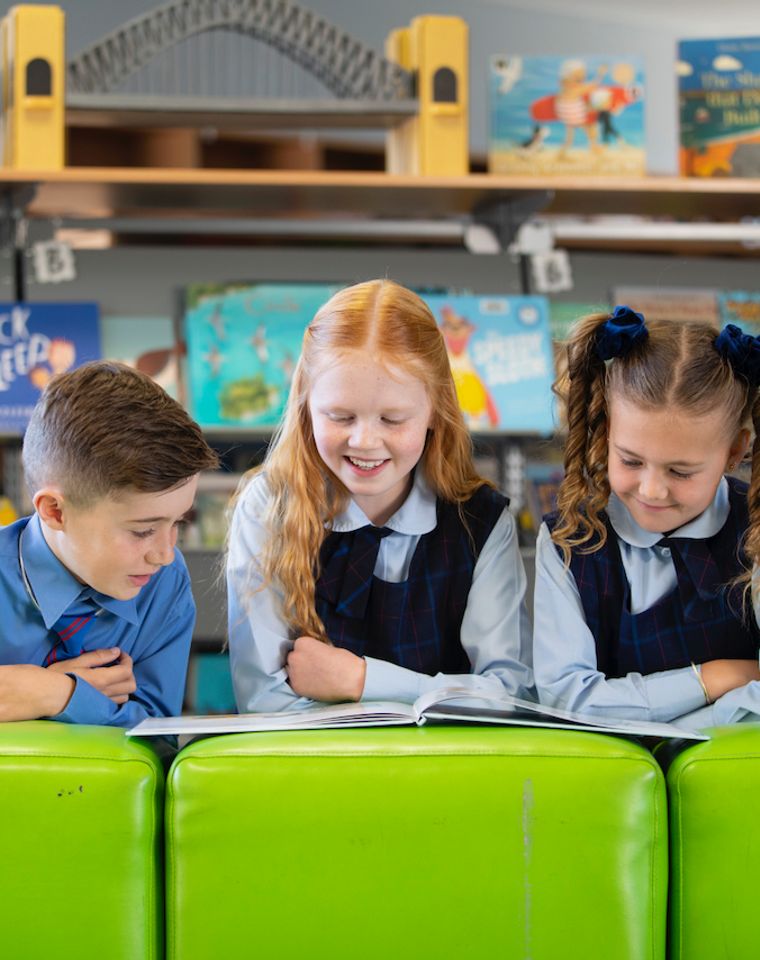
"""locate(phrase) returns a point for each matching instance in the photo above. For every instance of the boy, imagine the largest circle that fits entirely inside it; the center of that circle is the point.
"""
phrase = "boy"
(97, 612)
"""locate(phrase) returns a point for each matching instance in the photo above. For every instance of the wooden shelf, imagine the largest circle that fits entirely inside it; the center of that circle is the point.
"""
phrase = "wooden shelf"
(92, 193)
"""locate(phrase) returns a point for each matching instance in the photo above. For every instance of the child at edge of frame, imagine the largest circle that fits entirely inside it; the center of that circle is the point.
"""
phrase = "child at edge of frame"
(644, 573)
(98, 612)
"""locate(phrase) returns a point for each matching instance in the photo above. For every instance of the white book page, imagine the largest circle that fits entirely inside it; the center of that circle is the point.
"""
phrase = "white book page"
(459, 703)
(370, 713)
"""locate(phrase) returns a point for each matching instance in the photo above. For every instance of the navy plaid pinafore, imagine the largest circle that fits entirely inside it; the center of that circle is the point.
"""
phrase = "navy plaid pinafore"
(702, 618)
(415, 623)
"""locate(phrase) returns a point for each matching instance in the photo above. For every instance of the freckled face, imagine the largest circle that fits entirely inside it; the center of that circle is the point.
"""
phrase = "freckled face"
(665, 465)
(370, 424)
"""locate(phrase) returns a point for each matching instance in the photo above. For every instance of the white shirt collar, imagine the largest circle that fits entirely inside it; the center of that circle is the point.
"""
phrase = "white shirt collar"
(707, 524)
(416, 515)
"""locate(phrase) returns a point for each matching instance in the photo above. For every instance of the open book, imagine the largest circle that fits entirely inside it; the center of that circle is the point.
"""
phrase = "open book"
(448, 704)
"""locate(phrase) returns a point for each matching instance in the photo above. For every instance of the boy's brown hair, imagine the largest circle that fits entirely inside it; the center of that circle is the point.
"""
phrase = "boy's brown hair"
(105, 428)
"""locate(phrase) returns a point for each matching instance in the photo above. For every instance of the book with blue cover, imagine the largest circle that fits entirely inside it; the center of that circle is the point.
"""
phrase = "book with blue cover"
(566, 115)
(500, 350)
(37, 341)
(243, 342)
(719, 107)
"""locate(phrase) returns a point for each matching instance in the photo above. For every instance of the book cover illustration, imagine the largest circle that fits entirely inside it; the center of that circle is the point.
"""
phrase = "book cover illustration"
(719, 107)
(243, 343)
(501, 356)
(740, 307)
(557, 116)
(37, 341)
(145, 343)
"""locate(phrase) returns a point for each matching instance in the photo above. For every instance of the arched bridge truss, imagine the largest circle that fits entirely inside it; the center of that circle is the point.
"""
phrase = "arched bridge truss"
(346, 67)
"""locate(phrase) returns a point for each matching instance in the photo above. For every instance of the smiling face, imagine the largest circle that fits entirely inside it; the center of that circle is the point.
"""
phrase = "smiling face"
(116, 544)
(370, 424)
(665, 465)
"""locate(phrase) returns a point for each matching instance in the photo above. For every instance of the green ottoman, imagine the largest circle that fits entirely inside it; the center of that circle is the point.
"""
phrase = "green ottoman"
(81, 824)
(384, 844)
(713, 790)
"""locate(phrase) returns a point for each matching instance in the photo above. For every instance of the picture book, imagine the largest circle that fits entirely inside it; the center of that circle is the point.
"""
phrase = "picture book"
(670, 303)
(719, 107)
(38, 340)
(566, 115)
(449, 705)
(500, 351)
(243, 342)
(146, 343)
(742, 308)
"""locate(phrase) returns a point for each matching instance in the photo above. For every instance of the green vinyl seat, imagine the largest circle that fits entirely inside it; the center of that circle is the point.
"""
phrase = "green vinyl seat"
(713, 790)
(81, 872)
(447, 842)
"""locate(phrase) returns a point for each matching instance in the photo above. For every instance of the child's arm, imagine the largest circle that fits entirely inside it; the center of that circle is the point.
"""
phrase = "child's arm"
(564, 657)
(258, 636)
(155, 666)
(28, 692)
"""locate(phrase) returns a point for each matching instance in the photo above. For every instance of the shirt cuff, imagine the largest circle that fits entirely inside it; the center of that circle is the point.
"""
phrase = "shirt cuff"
(674, 693)
(388, 681)
(87, 705)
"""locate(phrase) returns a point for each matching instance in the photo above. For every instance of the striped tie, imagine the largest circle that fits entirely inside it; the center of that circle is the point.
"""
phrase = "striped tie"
(71, 627)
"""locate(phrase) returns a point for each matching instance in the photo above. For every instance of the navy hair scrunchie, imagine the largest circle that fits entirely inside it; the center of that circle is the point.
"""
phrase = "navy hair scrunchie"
(619, 333)
(742, 351)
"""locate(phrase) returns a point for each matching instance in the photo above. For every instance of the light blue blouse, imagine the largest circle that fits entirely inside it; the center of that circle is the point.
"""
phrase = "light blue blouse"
(564, 653)
(495, 631)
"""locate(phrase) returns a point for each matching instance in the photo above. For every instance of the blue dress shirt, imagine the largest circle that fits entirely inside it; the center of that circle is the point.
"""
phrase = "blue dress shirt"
(564, 653)
(154, 628)
(495, 632)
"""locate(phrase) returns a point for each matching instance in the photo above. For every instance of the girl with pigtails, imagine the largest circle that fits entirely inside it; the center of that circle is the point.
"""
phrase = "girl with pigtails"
(644, 574)
(367, 560)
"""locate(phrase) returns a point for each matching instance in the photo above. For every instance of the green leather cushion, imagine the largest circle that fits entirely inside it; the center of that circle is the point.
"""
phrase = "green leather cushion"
(404, 842)
(80, 865)
(713, 790)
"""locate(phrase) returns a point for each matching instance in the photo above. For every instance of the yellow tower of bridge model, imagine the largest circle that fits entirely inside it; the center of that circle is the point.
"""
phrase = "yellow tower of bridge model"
(436, 140)
(32, 51)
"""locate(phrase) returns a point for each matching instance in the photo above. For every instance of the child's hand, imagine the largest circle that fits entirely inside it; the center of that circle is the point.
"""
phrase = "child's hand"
(720, 676)
(321, 672)
(28, 692)
(116, 681)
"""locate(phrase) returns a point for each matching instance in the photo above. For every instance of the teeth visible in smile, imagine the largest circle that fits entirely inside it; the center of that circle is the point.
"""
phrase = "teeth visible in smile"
(365, 464)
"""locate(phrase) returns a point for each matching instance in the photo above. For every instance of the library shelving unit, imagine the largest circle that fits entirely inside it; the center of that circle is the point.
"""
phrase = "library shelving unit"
(370, 205)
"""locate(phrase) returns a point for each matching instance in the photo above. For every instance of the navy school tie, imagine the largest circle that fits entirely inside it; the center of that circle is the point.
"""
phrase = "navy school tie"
(699, 579)
(347, 574)
(71, 628)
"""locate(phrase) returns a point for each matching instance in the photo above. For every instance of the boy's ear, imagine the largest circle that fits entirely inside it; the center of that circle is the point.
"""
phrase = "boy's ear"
(49, 504)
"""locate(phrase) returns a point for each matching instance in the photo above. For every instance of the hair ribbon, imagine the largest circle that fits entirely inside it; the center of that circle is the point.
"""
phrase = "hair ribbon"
(619, 333)
(742, 351)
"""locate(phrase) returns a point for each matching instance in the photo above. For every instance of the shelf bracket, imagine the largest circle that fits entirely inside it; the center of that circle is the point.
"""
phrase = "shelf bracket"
(13, 233)
(505, 217)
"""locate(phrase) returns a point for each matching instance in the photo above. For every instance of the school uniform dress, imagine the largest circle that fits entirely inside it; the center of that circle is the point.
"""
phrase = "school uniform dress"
(155, 627)
(421, 602)
(615, 635)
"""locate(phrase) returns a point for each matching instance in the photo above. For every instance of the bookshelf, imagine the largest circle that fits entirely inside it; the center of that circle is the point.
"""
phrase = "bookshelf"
(103, 193)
